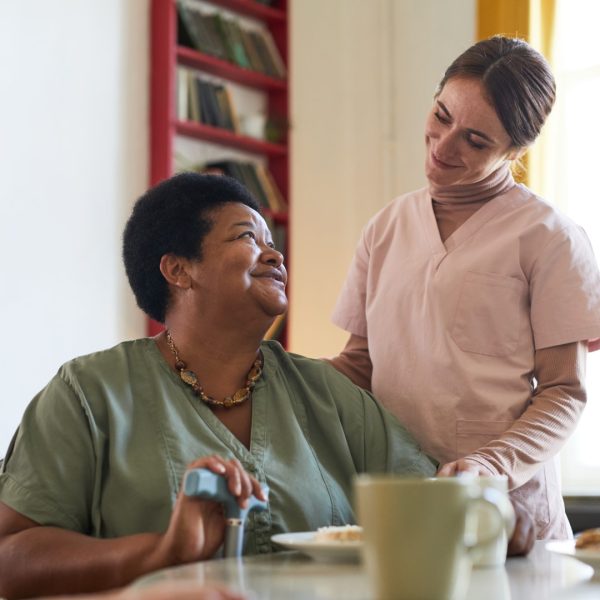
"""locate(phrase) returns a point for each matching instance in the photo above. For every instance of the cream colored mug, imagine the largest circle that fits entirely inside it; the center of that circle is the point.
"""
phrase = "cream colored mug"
(420, 534)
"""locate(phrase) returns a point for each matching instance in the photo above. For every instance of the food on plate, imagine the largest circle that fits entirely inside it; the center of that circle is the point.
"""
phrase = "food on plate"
(588, 540)
(343, 533)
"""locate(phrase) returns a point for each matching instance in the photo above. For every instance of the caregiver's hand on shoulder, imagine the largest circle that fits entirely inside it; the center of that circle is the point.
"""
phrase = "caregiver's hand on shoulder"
(462, 465)
(197, 526)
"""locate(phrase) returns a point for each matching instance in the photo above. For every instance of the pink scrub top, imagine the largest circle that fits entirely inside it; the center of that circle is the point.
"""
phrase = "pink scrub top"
(452, 327)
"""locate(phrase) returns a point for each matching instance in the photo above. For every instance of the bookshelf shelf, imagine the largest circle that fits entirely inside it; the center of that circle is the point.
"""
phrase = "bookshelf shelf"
(228, 138)
(174, 52)
(216, 66)
(251, 8)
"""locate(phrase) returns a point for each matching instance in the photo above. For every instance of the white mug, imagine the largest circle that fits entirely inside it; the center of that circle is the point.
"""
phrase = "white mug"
(492, 554)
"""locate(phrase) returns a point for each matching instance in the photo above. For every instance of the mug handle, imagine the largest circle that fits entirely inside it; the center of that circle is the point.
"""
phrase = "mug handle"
(505, 517)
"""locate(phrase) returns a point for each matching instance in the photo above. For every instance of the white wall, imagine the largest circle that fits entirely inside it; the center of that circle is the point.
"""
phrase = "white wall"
(363, 77)
(73, 156)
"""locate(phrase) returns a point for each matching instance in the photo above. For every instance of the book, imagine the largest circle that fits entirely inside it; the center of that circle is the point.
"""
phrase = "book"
(279, 233)
(239, 50)
(194, 106)
(269, 67)
(208, 104)
(274, 54)
(275, 198)
(245, 173)
(183, 96)
(225, 109)
(219, 24)
(254, 184)
(232, 109)
(189, 32)
(251, 53)
(215, 42)
(185, 37)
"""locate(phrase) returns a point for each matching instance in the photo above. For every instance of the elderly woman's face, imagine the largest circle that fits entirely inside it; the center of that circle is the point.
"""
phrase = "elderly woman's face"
(240, 269)
(464, 137)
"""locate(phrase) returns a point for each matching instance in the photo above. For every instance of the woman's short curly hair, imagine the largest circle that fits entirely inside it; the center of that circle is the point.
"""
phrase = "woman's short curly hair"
(172, 218)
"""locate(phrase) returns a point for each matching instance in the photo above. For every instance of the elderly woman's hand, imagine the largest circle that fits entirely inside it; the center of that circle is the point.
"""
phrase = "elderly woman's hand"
(197, 526)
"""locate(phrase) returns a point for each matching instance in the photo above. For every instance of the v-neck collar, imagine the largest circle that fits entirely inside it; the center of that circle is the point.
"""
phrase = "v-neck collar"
(248, 456)
(473, 224)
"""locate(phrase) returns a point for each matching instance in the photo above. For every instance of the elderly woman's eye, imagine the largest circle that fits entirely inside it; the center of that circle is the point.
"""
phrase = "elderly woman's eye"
(249, 234)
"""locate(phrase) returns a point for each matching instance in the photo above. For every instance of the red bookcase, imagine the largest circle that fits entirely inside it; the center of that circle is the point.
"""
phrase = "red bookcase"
(166, 56)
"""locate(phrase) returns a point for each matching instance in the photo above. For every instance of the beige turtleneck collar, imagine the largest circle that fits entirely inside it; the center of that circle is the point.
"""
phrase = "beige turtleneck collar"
(454, 204)
(496, 183)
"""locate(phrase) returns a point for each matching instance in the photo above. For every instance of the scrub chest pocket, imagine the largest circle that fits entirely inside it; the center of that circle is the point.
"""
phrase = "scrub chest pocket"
(488, 314)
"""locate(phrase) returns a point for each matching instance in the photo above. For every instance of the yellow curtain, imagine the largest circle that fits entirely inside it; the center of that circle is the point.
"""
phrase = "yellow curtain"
(531, 20)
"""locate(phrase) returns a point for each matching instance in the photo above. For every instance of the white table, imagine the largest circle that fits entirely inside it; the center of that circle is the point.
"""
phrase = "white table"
(292, 576)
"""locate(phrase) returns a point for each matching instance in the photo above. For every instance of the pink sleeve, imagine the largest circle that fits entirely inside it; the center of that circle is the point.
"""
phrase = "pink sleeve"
(354, 362)
(349, 312)
(540, 432)
(565, 291)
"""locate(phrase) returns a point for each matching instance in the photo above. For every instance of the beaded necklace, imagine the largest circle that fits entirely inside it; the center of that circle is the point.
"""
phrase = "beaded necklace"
(190, 378)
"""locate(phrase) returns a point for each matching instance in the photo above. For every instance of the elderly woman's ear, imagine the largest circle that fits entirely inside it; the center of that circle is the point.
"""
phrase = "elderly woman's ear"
(175, 270)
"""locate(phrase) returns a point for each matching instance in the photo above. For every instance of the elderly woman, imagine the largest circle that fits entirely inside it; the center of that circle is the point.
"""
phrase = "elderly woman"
(89, 491)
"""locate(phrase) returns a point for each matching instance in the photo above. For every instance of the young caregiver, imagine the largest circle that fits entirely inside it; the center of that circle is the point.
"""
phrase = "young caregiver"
(471, 303)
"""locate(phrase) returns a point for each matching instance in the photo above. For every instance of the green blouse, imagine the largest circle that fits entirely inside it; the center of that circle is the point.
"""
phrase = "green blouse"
(103, 448)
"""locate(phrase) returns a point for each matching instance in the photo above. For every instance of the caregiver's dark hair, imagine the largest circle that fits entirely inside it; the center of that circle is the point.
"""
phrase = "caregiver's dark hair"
(518, 81)
(172, 218)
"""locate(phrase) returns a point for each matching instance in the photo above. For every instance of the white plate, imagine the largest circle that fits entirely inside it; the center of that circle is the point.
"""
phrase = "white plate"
(327, 551)
(567, 548)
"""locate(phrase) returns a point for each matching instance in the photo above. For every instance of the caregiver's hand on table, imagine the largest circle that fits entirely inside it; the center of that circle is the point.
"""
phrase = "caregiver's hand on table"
(523, 536)
(197, 527)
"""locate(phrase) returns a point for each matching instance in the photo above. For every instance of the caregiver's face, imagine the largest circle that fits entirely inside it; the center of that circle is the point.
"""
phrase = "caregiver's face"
(464, 137)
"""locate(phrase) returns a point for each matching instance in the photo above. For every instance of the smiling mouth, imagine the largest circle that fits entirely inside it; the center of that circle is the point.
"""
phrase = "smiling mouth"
(274, 274)
(440, 163)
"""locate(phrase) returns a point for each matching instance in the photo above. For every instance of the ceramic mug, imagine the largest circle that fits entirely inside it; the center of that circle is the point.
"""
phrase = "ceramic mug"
(420, 534)
(492, 554)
